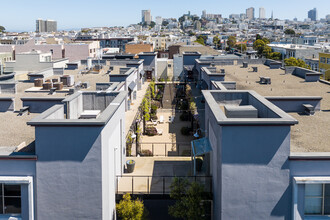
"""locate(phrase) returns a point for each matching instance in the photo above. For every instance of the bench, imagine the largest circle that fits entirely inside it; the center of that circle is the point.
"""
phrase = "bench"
(309, 109)
(25, 109)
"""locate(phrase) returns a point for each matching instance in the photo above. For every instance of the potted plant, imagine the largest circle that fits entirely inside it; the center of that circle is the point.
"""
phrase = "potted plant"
(130, 166)
(199, 164)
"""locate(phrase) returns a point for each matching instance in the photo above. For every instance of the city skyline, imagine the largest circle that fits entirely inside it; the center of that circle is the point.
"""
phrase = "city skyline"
(72, 15)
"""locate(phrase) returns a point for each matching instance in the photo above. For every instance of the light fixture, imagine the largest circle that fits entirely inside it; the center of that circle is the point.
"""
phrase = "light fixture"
(196, 135)
(133, 136)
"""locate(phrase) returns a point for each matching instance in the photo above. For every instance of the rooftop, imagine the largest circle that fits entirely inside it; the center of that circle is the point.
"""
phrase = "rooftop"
(15, 132)
(316, 126)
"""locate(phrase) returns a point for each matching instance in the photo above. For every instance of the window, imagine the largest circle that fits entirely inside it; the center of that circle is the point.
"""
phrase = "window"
(322, 59)
(317, 199)
(10, 199)
(328, 60)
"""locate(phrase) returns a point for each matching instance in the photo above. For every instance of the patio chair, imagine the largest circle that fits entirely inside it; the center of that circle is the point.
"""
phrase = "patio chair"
(159, 131)
(161, 119)
(154, 122)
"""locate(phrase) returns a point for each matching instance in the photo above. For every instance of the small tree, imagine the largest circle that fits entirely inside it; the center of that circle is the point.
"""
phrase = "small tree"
(231, 41)
(188, 198)
(289, 32)
(241, 47)
(266, 51)
(145, 108)
(296, 62)
(2, 28)
(128, 209)
(152, 89)
(216, 41)
(259, 46)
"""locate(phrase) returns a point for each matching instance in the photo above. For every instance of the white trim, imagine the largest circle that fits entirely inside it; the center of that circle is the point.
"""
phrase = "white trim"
(22, 180)
(312, 180)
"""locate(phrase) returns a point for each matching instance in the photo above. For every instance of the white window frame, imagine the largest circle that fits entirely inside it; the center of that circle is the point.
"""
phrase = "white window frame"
(22, 180)
(304, 180)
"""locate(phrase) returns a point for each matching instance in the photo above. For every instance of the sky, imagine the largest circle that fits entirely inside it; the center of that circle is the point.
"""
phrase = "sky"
(20, 15)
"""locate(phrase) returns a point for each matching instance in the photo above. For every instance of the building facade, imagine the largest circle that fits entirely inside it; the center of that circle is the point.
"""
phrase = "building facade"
(324, 65)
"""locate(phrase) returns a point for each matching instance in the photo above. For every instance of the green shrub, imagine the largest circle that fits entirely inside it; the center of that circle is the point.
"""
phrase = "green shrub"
(154, 108)
(128, 209)
(184, 116)
(151, 131)
(185, 131)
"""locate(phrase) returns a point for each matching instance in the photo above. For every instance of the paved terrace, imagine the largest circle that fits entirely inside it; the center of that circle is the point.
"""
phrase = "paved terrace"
(312, 132)
(154, 175)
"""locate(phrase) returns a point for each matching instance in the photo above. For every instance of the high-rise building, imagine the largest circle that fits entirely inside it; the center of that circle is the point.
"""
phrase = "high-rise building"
(146, 16)
(46, 26)
(312, 14)
(250, 13)
(262, 13)
(204, 14)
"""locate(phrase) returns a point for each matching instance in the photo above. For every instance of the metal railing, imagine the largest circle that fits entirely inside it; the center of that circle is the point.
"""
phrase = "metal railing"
(156, 185)
(165, 149)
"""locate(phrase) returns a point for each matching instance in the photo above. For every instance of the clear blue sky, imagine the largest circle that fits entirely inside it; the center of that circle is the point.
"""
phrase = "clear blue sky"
(20, 15)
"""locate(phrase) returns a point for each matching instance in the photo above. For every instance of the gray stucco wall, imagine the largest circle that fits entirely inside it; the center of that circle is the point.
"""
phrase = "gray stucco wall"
(113, 159)
(307, 168)
(20, 168)
(190, 59)
(255, 177)
(95, 101)
(177, 67)
(9, 88)
(308, 75)
(295, 104)
(39, 105)
(7, 104)
(69, 179)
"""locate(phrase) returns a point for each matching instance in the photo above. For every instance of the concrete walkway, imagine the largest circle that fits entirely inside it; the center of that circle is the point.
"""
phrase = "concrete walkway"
(130, 115)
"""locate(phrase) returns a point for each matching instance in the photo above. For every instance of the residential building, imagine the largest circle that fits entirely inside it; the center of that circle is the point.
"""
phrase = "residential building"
(250, 13)
(270, 121)
(165, 68)
(324, 64)
(136, 48)
(4, 57)
(262, 13)
(149, 65)
(34, 61)
(312, 14)
(46, 26)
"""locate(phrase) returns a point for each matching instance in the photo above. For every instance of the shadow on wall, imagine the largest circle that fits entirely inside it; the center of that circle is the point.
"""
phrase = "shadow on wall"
(283, 206)
(254, 144)
(67, 143)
